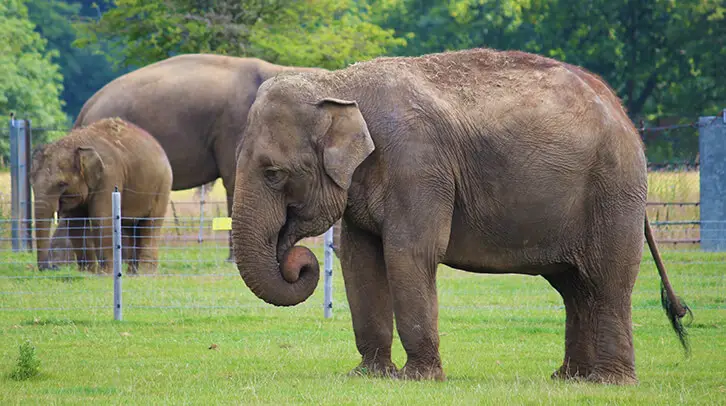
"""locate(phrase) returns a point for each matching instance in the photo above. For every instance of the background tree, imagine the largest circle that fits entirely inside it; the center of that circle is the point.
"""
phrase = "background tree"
(324, 33)
(665, 59)
(84, 70)
(30, 82)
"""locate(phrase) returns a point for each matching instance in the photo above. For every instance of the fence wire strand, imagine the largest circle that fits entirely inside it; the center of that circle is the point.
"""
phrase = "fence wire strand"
(190, 267)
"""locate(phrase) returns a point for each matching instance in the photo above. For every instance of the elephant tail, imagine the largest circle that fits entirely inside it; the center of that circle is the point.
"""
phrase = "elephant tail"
(674, 308)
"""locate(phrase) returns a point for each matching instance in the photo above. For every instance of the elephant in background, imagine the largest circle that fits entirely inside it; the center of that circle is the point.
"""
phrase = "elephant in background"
(486, 161)
(75, 177)
(195, 105)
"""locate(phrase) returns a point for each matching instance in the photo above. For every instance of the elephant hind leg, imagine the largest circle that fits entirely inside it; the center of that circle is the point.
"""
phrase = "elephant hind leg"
(598, 330)
(148, 234)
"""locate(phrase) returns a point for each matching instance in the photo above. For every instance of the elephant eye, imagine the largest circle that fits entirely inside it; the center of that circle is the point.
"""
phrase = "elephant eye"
(62, 184)
(275, 176)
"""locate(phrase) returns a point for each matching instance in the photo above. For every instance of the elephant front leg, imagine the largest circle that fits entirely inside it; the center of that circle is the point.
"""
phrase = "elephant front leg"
(412, 276)
(415, 242)
(81, 236)
(367, 290)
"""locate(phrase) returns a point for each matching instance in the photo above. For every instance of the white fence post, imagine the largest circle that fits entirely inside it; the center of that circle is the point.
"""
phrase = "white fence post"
(328, 273)
(117, 258)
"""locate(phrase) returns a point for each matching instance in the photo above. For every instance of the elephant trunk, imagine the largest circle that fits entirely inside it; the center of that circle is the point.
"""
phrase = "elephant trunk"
(43, 217)
(255, 251)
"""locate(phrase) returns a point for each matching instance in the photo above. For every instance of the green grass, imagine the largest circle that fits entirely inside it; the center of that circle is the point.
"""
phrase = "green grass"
(501, 335)
(501, 338)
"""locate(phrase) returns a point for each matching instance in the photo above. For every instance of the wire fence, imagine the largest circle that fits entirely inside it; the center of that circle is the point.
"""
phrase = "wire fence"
(183, 259)
(182, 263)
(176, 253)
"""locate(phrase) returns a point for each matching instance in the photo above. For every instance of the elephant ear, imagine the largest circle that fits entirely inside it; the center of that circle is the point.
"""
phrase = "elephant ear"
(90, 165)
(347, 142)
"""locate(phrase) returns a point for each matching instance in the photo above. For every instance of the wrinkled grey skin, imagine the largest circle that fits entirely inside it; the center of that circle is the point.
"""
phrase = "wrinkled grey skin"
(486, 161)
(195, 105)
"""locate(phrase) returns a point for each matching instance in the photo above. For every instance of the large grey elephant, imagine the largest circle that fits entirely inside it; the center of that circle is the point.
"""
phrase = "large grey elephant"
(195, 105)
(486, 161)
(75, 176)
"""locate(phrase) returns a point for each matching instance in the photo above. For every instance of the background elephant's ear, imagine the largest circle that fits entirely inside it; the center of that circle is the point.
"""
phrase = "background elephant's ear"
(347, 141)
(90, 165)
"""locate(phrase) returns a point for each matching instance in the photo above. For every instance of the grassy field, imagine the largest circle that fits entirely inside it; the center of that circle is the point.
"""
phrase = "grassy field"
(501, 336)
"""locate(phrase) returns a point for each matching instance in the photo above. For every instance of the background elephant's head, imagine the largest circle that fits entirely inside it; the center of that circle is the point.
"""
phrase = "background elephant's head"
(61, 175)
(295, 166)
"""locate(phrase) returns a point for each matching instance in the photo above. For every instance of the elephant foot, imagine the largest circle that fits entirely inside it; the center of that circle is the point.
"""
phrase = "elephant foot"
(47, 267)
(599, 377)
(570, 372)
(377, 370)
(418, 372)
(612, 378)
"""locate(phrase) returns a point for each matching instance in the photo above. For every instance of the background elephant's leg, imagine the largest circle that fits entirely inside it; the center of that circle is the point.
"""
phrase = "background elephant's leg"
(227, 164)
(366, 287)
(579, 332)
(230, 193)
(61, 251)
(147, 251)
(131, 244)
(82, 242)
(103, 229)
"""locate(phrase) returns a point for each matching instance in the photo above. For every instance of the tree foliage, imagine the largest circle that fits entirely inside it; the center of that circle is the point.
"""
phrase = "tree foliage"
(30, 82)
(664, 58)
(324, 33)
(84, 70)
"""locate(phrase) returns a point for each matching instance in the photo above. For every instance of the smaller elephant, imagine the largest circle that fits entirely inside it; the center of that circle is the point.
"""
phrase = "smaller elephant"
(75, 177)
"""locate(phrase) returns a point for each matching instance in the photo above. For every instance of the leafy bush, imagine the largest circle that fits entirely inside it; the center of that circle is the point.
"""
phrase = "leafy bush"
(28, 365)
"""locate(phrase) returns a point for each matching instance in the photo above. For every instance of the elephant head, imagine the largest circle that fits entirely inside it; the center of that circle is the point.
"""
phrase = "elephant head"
(295, 166)
(62, 174)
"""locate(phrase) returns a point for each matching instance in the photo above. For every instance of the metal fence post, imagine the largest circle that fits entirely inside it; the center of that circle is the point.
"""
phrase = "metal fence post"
(19, 184)
(28, 235)
(712, 150)
(117, 259)
(328, 273)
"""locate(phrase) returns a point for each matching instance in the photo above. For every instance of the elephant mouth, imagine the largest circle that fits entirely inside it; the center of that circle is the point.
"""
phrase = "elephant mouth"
(66, 203)
(285, 238)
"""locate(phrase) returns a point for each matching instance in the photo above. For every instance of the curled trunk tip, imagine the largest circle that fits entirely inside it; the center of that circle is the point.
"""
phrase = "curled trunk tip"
(286, 284)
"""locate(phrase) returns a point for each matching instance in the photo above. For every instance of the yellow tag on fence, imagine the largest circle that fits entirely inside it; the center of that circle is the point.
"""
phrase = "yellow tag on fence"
(222, 223)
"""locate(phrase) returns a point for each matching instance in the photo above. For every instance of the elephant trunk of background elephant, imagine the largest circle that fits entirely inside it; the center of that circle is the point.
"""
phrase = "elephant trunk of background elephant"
(43, 216)
(256, 257)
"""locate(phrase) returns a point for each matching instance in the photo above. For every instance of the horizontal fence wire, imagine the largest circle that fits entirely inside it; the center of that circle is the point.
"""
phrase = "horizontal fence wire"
(181, 262)
(184, 263)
